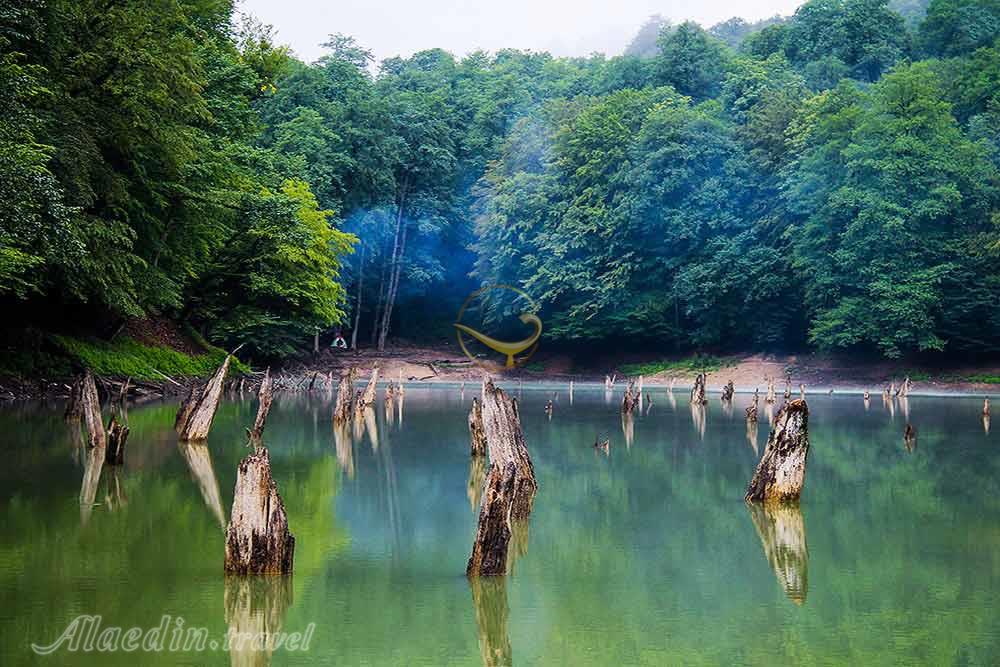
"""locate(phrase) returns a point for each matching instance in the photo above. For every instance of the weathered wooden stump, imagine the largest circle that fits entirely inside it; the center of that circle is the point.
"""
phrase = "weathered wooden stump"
(257, 538)
(698, 390)
(195, 418)
(510, 487)
(117, 435)
(367, 397)
(781, 471)
(345, 396)
(631, 399)
(782, 533)
(477, 434)
(264, 397)
(728, 391)
(910, 438)
(771, 396)
(752, 410)
(91, 407)
(986, 407)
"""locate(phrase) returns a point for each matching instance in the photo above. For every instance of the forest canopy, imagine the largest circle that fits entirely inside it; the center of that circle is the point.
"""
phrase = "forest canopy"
(827, 180)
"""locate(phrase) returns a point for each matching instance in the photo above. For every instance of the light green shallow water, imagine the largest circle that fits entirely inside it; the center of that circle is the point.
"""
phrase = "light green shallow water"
(647, 556)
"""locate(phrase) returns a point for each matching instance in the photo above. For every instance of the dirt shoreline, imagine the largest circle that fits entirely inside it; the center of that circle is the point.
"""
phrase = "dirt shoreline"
(440, 365)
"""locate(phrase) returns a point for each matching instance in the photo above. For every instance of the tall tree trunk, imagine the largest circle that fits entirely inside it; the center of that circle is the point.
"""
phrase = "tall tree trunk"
(398, 249)
(357, 311)
(377, 316)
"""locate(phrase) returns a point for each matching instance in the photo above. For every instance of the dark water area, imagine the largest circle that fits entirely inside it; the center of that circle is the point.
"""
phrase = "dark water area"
(646, 555)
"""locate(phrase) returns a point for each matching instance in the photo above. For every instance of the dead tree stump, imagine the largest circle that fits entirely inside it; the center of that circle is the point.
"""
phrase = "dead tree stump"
(91, 408)
(199, 416)
(631, 400)
(477, 434)
(257, 537)
(510, 487)
(698, 390)
(265, 396)
(345, 395)
(728, 391)
(752, 410)
(367, 397)
(117, 435)
(781, 471)
(771, 397)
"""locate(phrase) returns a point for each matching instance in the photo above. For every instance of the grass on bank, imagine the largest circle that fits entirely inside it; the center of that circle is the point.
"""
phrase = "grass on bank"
(126, 357)
(686, 366)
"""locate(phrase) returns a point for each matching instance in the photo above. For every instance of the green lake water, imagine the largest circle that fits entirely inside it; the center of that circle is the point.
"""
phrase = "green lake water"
(645, 556)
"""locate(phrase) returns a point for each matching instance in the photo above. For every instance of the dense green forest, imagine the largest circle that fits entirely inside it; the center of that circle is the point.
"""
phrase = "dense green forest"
(829, 180)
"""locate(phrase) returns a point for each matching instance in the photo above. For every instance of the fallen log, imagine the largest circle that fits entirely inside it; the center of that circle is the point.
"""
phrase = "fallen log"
(257, 537)
(200, 415)
(117, 435)
(781, 472)
(265, 396)
(91, 408)
(477, 434)
(345, 394)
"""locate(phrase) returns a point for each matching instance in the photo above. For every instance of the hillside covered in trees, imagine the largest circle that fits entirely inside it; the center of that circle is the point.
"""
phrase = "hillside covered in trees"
(829, 180)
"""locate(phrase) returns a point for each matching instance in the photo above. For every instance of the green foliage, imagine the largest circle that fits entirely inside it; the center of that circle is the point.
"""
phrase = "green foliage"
(129, 358)
(959, 27)
(686, 366)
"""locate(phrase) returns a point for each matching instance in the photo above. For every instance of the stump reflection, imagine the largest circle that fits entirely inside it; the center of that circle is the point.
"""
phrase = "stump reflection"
(489, 600)
(255, 614)
(199, 462)
(782, 533)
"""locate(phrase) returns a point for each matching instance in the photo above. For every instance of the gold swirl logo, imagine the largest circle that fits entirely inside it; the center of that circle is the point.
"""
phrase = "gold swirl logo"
(510, 349)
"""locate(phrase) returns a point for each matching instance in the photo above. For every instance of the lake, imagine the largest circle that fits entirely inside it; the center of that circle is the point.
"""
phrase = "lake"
(646, 555)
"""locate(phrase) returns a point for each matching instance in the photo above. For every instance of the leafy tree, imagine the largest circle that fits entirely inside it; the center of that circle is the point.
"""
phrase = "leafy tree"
(692, 61)
(958, 27)
(884, 183)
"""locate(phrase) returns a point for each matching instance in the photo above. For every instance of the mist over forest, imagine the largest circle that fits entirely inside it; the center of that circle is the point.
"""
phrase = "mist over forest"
(823, 181)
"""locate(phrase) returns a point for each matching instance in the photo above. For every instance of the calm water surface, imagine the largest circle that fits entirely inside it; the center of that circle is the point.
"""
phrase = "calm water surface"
(645, 556)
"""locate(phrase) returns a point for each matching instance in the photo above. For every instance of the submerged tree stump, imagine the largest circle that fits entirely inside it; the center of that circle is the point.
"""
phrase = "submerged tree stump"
(781, 471)
(698, 391)
(367, 397)
(477, 434)
(257, 537)
(752, 410)
(728, 391)
(771, 396)
(345, 395)
(910, 438)
(631, 399)
(91, 407)
(117, 435)
(509, 491)
(199, 415)
(264, 396)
